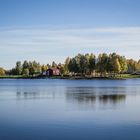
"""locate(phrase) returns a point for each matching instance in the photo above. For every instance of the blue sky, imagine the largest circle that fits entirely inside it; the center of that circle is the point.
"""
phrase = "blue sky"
(47, 30)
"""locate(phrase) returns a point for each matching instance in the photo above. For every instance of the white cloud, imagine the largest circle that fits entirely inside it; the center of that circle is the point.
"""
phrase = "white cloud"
(26, 43)
(123, 30)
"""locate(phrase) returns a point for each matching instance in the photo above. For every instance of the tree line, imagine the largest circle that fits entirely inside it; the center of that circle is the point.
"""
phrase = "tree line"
(104, 64)
(82, 64)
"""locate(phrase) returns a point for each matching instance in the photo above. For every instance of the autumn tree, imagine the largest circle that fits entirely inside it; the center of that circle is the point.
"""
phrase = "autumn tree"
(66, 65)
(2, 72)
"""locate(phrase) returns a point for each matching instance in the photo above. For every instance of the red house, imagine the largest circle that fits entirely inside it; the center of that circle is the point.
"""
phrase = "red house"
(52, 72)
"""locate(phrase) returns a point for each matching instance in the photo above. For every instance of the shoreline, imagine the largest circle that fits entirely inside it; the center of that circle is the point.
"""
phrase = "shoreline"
(122, 77)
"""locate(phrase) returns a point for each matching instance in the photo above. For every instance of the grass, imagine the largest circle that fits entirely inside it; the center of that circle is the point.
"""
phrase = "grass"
(127, 76)
(122, 76)
(14, 76)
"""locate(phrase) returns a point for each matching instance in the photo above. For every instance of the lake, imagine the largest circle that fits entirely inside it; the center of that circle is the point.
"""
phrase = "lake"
(48, 109)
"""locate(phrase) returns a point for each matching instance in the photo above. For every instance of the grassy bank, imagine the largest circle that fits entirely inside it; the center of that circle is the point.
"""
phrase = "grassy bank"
(126, 76)
(15, 77)
(122, 76)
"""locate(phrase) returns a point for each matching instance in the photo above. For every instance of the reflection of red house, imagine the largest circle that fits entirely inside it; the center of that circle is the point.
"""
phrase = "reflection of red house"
(53, 72)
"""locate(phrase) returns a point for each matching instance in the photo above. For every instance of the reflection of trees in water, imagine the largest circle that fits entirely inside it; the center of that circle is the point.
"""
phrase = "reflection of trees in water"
(112, 98)
(34, 95)
(27, 94)
(38, 92)
(94, 94)
(86, 98)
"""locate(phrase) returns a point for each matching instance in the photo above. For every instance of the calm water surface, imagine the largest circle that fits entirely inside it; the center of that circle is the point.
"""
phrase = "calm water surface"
(70, 109)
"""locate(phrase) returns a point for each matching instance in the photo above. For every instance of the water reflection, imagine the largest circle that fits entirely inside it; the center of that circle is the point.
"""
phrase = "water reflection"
(88, 95)
(112, 98)
(32, 95)
(69, 109)
(27, 95)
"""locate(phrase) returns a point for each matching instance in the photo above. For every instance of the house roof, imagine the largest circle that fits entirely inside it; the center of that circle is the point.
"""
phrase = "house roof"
(53, 69)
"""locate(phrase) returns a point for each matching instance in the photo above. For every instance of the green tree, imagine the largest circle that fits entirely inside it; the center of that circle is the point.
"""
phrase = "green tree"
(25, 64)
(101, 65)
(73, 66)
(123, 64)
(25, 68)
(133, 66)
(18, 68)
(54, 65)
(25, 72)
(31, 69)
(92, 63)
(34, 68)
(82, 63)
